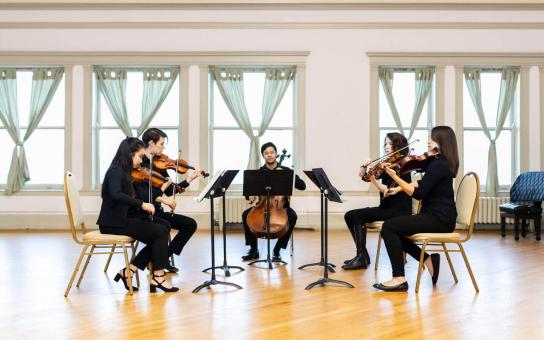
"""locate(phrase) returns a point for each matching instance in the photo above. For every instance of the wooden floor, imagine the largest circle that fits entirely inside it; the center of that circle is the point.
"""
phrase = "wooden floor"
(273, 303)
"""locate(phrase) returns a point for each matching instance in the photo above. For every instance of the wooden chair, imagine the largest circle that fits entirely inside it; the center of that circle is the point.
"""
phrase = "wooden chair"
(93, 239)
(466, 203)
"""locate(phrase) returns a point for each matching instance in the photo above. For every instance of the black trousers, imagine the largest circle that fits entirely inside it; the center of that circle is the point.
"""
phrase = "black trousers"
(357, 218)
(153, 235)
(185, 226)
(395, 230)
(251, 239)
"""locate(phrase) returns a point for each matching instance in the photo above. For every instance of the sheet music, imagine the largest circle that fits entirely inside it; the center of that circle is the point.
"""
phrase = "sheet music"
(204, 191)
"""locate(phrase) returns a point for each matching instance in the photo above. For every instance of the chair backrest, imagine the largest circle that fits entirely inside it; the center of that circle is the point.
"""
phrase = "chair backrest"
(528, 187)
(71, 196)
(468, 194)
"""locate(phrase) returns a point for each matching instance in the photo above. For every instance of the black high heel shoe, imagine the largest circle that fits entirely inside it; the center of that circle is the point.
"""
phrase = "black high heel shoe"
(124, 279)
(153, 288)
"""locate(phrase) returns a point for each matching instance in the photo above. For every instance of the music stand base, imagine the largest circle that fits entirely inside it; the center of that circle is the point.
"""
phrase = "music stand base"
(322, 264)
(225, 268)
(326, 280)
(211, 282)
(269, 261)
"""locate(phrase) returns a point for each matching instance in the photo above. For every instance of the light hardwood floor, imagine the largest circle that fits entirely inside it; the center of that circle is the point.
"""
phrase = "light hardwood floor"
(273, 304)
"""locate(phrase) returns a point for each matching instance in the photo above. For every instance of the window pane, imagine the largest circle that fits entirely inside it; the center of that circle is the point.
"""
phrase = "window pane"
(221, 114)
(134, 97)
(45, 166)
(253, 95)
(490, 87)
(168, 114)
(284, 113)
(505, 153)
(24, 89)
(476, 146)
(107, 147)
(106, 118)
(54, 116)
(5, 157)
(230, 151)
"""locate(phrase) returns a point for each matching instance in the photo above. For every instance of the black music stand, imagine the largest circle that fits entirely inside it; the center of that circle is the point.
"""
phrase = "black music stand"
(213, 189)
(268, 183)
(321, 262)
(330, 193)
(226, 180)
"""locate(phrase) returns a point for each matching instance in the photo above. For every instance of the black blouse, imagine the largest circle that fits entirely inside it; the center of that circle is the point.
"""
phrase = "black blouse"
(401, 201)
(435, 190)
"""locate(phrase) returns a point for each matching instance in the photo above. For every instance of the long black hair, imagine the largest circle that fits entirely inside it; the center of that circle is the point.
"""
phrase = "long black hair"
(398, 141)
(445, 138)
(123, 157)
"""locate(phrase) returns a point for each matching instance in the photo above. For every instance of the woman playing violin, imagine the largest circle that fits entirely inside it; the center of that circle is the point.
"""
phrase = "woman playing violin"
(389, 207)
(437, 215)
(117, 199)
(154, 140)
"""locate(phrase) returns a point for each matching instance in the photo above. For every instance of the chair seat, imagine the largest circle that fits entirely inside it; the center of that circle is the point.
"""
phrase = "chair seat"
(374, 225)
(436, 237)
(97, 236)
(519, 209)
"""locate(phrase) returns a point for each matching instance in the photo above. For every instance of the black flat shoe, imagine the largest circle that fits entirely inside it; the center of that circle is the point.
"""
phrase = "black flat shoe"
(276, 258)
(124, 279)
(350, 260)
(252, 254)
(171, 269)
(435, 260)
(403, 287)
(153, 288)
(358, 263)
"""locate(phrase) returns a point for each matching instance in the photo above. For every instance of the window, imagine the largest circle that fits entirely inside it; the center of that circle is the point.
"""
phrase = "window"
(107, 135)
(44, 149)
(476, 144)
(404, 96)
(229, 145)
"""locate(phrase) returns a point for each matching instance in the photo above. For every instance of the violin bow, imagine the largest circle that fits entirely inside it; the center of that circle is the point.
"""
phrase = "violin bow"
(177, 180)
(149, 196)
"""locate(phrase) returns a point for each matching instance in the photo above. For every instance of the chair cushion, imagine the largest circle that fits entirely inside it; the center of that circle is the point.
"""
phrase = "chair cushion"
(436, 237)
(374, 225)
(97, 236)
(514, 208)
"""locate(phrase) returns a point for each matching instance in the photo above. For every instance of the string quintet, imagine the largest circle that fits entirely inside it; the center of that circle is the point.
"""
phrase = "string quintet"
(137, 186)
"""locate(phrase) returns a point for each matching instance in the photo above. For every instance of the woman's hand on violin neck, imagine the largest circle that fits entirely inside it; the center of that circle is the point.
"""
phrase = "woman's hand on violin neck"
(195, 174)
(150, 208)
(170, 202)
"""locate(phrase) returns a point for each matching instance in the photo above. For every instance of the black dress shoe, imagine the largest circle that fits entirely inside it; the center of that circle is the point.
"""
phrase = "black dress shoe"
(124, 279)
(435, 260)
(350, 260)
(358, 262)
(171, 269)
(252, 254)
(276, 257)
(403, 287)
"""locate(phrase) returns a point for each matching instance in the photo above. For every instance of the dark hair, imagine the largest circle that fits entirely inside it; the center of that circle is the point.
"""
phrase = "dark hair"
(445, 138)
(153, 134)
(267, 145)
(399, 141)
(123, 157)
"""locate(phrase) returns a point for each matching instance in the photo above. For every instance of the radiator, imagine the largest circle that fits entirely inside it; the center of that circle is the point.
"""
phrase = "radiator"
(488, 209)
(234, 207)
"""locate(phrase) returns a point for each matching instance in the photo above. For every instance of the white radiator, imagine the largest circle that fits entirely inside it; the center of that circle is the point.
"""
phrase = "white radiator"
(234, 207)
(488, 209)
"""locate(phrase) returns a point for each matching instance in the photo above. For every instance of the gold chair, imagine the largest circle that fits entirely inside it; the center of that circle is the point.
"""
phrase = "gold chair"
(377, 226)
(93, 239)
(466, 203)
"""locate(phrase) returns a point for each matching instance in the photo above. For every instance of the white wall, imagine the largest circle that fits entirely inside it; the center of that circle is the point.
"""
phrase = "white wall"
(337, 78)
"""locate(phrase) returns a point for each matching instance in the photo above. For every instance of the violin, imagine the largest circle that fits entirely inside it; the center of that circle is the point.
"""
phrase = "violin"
(157, 180)
(415, 163)
(162, 162)
(377, 170)
(278, 220)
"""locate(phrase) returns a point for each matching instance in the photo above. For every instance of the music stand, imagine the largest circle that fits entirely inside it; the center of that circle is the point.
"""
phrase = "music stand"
(321, 262)
(226, 180)
(330, 193)
(268, 183)
(213, 189)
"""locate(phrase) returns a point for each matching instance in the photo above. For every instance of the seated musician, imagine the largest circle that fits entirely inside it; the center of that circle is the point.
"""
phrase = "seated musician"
(392, 206)
(269, 153)
(154, 140)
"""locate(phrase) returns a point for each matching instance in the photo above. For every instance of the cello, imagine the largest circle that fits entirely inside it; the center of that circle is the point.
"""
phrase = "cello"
(278, 220)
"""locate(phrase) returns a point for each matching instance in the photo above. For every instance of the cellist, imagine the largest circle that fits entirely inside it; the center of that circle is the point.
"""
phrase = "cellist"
(269, 153)
(154, 140)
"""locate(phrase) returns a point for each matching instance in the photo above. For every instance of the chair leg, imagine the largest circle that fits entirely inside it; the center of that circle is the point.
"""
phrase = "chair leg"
(450, 263)
(523, 227)
(378, 251)
(292, 242)
(516, 228)
(128, 267)
(85, 266)
(420, 267)
(537, 227)
(76, 269)
(109, 258)
(132, 258)
(503, 226)
(468, 267)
